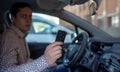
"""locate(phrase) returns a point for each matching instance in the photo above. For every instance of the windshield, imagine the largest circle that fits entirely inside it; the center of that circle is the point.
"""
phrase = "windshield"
(106, 18)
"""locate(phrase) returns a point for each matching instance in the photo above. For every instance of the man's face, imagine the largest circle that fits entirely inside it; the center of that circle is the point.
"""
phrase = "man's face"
(23, 19)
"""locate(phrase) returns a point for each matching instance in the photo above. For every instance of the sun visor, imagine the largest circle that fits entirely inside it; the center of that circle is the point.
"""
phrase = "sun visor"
(57, 4)
(52, 4)
(78, 2)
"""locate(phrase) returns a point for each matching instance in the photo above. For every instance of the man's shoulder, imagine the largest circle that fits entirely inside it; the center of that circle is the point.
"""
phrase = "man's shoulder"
(9, 33)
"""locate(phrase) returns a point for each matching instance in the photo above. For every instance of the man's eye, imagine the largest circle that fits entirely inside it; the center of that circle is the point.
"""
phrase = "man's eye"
(24, 16)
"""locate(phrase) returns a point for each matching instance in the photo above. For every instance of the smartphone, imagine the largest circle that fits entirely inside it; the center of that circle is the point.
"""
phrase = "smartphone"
(61, 35)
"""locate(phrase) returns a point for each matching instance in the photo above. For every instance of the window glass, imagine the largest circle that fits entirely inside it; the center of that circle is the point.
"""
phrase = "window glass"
(115, 21)
(43, 28)
(107, 16)
(40, 27)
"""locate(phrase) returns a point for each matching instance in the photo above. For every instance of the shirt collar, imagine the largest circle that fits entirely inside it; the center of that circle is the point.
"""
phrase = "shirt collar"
(19, 33)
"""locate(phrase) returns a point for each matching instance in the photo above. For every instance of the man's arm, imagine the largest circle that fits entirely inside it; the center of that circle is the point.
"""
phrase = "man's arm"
(9, 61)
(37, 65)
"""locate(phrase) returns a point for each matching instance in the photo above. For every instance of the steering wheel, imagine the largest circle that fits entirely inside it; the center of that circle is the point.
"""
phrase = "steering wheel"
(76, 50)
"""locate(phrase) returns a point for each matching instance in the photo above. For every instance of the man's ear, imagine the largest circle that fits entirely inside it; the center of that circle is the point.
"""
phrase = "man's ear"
(12, 18)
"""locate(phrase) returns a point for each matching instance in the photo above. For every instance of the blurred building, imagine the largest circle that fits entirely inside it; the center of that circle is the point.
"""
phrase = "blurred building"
(107, 17)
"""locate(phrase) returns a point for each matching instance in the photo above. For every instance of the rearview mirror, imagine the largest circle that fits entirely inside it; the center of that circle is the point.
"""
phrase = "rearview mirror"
(94, 5)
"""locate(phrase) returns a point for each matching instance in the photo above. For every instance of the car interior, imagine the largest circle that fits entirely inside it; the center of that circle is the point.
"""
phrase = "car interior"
(90, 49)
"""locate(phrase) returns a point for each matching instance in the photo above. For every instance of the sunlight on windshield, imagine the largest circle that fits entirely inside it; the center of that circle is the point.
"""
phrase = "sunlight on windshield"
(107, 17)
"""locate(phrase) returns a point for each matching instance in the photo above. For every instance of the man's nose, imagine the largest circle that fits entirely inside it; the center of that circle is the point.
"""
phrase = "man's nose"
(29, 19)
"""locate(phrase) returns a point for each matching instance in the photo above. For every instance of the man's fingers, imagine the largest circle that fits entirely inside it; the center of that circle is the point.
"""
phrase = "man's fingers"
(53, 52)
(56, 44)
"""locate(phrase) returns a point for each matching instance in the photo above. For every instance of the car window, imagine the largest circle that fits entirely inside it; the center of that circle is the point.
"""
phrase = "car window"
(43, 27)
(40, 27)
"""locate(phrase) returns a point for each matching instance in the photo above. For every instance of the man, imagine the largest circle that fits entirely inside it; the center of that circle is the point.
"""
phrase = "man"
(14, 54)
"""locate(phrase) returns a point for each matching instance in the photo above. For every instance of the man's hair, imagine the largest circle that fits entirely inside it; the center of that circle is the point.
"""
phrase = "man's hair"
(16, 7)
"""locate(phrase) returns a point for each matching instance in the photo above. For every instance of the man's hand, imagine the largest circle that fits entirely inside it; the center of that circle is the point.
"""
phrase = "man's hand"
(52, 53)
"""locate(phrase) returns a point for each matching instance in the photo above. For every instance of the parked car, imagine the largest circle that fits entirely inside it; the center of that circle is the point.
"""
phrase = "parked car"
(91, 50)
